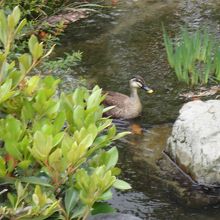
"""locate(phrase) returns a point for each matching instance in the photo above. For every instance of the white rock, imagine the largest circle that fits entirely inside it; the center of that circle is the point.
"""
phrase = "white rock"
(195, 141)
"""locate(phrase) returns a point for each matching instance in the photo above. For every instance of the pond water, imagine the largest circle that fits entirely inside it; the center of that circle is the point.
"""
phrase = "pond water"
(117, 44)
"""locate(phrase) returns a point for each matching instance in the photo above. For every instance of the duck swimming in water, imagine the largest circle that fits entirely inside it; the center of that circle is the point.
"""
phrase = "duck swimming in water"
(126, 107)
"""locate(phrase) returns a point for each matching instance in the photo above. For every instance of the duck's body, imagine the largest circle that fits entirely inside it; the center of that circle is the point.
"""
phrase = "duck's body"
(126, 107)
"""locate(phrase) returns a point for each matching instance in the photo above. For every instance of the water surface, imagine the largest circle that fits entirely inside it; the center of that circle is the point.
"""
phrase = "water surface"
(124, 41)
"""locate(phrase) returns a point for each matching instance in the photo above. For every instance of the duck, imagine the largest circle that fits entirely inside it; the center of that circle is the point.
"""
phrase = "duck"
(124, 106)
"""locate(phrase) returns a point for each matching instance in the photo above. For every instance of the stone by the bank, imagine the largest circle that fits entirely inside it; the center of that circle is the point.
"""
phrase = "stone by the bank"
(115, 216)
(195, 141)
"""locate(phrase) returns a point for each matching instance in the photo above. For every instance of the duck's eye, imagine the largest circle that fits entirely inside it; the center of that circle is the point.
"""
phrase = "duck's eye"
(139, 80)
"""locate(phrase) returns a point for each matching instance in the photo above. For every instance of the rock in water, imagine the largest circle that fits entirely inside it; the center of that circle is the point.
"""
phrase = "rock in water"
(195, 141)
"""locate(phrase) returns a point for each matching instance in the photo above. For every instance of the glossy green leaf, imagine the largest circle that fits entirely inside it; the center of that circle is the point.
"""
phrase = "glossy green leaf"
(116, 171)
(42, 145)
(27, 112)
(108, 109)
(25, 62)
(120, 184)
(16, 15)
(20, 189)
(23, 146)
(11, 22)
(46, 127)
(20, 26)
(106, 195)
(32, 84)
(86, 142)
(11, 198)
(78, 96)
(59, 122)
(35, 181)
(112, 131)
(66, 144)
(78, 116)
(53, 108)
(122, 134)
(94, 99)
(58, 138)
(12, 149)
(5, 91)
(70, 200)
(13, 124)
(3, 28)
(31, 43)
(78, 211)
(37, 51)
(113, 158)
(39, 197)
(102, 207)
(106, 123)
(55, 157)
(93, 130)
(15, 76)
(24, 164)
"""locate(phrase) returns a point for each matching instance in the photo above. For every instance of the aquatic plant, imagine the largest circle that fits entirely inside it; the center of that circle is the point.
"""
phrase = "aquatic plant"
(217, 64)
(193, 57)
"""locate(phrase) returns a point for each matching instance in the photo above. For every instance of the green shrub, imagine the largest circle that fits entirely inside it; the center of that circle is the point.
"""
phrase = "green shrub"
(33, 8)
(53, 158)
(61, 63)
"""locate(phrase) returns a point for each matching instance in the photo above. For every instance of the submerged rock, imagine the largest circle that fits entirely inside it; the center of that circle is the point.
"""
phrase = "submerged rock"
(195, 141)
(158, 173)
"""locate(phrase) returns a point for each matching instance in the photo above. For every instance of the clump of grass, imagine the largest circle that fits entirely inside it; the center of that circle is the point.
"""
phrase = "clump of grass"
(217, 64)
(194, 57)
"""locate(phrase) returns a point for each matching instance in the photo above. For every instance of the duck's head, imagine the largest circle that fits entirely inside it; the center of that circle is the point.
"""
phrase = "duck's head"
(138, 82)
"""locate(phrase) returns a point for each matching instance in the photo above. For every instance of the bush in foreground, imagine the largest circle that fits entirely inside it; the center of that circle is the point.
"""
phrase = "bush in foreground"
(53, 156)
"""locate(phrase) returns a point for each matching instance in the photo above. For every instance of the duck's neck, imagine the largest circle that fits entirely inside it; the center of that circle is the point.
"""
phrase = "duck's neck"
(134, 93)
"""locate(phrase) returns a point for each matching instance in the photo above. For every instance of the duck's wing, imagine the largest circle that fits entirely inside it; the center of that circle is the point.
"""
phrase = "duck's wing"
(115, 99)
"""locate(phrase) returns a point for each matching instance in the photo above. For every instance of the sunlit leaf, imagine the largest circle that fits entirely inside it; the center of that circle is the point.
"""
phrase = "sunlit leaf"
(122, 134)
(37, 51)
(3, 28)
(31, 43)
(120, 184)
(55, 158)
(58, 138)
(16, 13)
(20, 26)
(25, 62)
(113, 158)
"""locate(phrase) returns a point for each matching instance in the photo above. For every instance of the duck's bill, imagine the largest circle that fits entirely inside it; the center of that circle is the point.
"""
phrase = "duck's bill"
(149, 90)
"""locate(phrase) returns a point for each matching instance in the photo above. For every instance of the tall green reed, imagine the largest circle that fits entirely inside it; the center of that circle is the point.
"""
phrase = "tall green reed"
(193, 57)
(217, 64)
